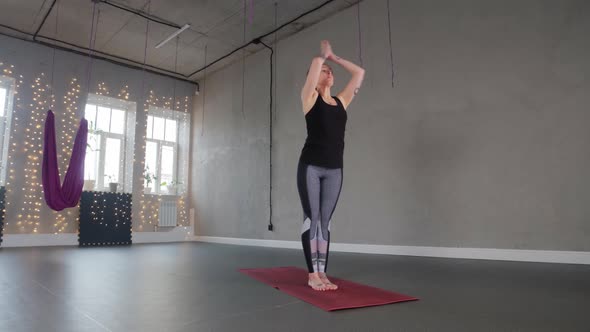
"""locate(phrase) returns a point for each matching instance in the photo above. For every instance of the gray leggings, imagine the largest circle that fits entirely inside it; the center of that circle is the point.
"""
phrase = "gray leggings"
(319, 189)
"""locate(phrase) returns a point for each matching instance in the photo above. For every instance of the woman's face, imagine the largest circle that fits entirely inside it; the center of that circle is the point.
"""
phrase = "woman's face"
(326, 77)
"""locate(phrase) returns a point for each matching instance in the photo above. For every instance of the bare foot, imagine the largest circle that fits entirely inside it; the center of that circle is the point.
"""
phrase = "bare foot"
(329, 285)
(316, 282)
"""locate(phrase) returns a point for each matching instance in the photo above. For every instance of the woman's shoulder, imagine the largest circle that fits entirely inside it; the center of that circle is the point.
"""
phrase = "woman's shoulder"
(339, 102)
(309, 105)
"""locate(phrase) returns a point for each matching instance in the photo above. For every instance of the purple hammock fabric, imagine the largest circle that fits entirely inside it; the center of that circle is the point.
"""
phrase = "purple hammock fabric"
(59, 197)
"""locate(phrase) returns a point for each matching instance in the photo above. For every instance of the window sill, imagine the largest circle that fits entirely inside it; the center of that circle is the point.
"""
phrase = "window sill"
(106, 191)
(163, 195)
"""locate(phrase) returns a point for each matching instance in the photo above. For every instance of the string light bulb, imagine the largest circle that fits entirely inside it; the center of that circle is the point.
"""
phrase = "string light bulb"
(26, 204)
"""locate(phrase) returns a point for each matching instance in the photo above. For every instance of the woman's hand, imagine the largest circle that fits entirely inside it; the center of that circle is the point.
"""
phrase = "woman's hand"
(326, 50)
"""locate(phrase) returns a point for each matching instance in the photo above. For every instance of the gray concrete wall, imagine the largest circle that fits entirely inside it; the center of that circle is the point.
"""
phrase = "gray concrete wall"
(483, 141)
(26, 211)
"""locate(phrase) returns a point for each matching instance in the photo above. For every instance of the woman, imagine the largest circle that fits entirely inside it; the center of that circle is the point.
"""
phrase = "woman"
(319, 174)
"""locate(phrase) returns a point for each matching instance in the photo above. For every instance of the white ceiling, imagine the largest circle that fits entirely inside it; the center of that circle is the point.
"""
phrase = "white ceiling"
(221, 25)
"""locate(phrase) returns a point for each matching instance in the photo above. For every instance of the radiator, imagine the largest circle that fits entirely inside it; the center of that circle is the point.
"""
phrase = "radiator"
(167, 214)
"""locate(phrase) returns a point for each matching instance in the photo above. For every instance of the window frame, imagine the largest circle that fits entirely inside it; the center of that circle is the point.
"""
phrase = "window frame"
(9, 85)
(111, 103)
(153, 112)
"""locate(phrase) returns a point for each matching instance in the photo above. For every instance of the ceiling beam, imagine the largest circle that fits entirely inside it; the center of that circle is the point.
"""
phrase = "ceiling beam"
(140, 13)
(103, 56)
(44, 19)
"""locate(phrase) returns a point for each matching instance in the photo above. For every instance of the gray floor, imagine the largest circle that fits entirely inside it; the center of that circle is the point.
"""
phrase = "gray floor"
(195, 287)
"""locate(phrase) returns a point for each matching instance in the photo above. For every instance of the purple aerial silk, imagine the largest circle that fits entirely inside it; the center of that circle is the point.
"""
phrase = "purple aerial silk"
(59, 197)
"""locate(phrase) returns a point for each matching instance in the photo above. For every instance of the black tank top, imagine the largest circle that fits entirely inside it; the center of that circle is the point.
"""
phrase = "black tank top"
(326, 124)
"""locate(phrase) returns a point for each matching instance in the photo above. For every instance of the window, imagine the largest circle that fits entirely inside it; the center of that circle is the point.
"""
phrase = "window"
(161, 153)
(6, 98)
(110, 142)
(3, 101)
(167, 151)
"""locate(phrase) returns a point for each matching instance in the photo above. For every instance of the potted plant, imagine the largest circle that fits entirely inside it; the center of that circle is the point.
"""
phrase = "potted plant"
(164, 183)
(173, 186)
(112, 185)
(149, 178)
(89, 185)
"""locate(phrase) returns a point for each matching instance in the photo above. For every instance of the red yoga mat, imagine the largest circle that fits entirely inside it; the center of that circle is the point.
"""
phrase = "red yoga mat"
(293, 281)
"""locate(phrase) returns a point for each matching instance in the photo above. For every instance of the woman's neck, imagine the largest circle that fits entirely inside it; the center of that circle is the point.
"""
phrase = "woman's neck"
(324, 91)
